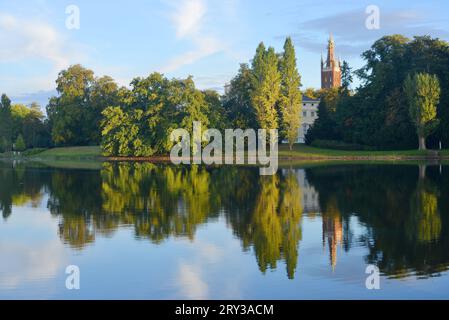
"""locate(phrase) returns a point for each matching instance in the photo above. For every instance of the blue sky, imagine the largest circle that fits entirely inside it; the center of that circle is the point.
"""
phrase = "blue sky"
(204, 38)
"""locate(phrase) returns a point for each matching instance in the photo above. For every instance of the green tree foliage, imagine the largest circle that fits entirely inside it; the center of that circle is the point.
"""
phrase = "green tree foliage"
(324, 127)
(311, 93)
(104, 93)
(19, 145)
(149, 112)
(216, 113)
(266, 81)
(75, 114)
(291, 98)
(30, 123)
(5, 124)
(346, 76)
(237, 100)
(425, 218)
(423, 94)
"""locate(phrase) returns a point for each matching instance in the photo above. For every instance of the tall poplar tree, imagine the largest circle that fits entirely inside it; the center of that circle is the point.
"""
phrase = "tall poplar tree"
(291, 98)
(423, 94)
(266, 80)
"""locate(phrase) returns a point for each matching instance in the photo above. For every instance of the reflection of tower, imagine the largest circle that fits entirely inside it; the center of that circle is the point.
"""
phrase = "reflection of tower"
(333, 233)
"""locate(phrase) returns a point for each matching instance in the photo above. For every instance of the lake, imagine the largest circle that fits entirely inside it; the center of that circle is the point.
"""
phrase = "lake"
(147, 231)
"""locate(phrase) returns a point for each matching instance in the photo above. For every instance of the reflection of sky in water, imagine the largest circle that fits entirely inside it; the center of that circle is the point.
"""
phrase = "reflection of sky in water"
(211, 266)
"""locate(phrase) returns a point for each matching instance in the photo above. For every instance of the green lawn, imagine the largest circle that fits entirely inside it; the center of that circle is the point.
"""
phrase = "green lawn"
(303, 151)
(71, 152)
(298, 152)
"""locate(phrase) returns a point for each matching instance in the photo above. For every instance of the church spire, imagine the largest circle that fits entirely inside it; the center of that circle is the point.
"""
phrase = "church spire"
(331, 52)
(330, 69)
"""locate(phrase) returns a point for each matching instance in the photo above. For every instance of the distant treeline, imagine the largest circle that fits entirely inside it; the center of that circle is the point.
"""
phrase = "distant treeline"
(137, 121)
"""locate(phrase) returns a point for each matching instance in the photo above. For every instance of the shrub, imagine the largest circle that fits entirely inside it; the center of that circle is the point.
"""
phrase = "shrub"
(19, 145)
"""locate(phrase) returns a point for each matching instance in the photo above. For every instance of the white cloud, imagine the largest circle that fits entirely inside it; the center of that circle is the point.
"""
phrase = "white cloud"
(191, 283)
(27, 263)
(31, 39)
(26, 40)
(204, 47)
(188, 21)
(188, 16)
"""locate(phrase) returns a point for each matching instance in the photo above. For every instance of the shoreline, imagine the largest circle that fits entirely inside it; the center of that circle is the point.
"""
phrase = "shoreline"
(300, 153)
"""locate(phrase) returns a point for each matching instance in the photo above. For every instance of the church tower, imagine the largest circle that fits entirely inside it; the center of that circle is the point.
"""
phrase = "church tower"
(330, 69)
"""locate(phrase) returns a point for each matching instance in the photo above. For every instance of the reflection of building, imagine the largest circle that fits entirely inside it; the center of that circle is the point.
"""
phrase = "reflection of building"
(333, 233)
(330, 69)
(331, 218)
(309, 194)
(308, 117)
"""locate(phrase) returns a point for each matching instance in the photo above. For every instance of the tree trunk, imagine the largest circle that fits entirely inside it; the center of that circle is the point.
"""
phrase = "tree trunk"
(422, 171)
(422, 143)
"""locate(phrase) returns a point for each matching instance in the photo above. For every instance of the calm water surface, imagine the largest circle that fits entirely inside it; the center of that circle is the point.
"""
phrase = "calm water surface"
(144, 231)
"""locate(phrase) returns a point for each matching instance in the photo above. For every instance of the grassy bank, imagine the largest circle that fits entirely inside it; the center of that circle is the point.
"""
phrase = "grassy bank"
(308, 152)
(81, 153)
(299, 152)
(71, 152)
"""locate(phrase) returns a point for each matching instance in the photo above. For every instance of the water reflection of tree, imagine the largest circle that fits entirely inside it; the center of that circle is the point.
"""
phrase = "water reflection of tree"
(406, 230)
(19, 186)
(425, 220)
(162, 201)
(276, 222)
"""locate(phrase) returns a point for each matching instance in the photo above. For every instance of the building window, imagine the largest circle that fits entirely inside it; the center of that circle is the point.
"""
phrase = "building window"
(313, 114)
(304, 114)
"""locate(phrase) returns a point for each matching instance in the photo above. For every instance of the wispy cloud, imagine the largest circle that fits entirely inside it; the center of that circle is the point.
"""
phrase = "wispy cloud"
(188, 20)
(24, 39)
(188, 16)
(34, 41)
(348, 28)
(191, 283)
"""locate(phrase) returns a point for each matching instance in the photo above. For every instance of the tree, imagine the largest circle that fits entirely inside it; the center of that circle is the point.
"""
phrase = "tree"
(311, 93)
(75, 114)
(104, 93)
(237, 100)
(216, 111)
(4, 145)
(68, 111)
(290, 97)
(35, 130)
(19, 145)
(266, 81)
(346, 76)
(30, 123)
(423, 94)
(149, 112)
(5, 124)
(325, 127)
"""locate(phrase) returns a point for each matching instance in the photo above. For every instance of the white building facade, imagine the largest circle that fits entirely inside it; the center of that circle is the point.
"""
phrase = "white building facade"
(309, 115)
